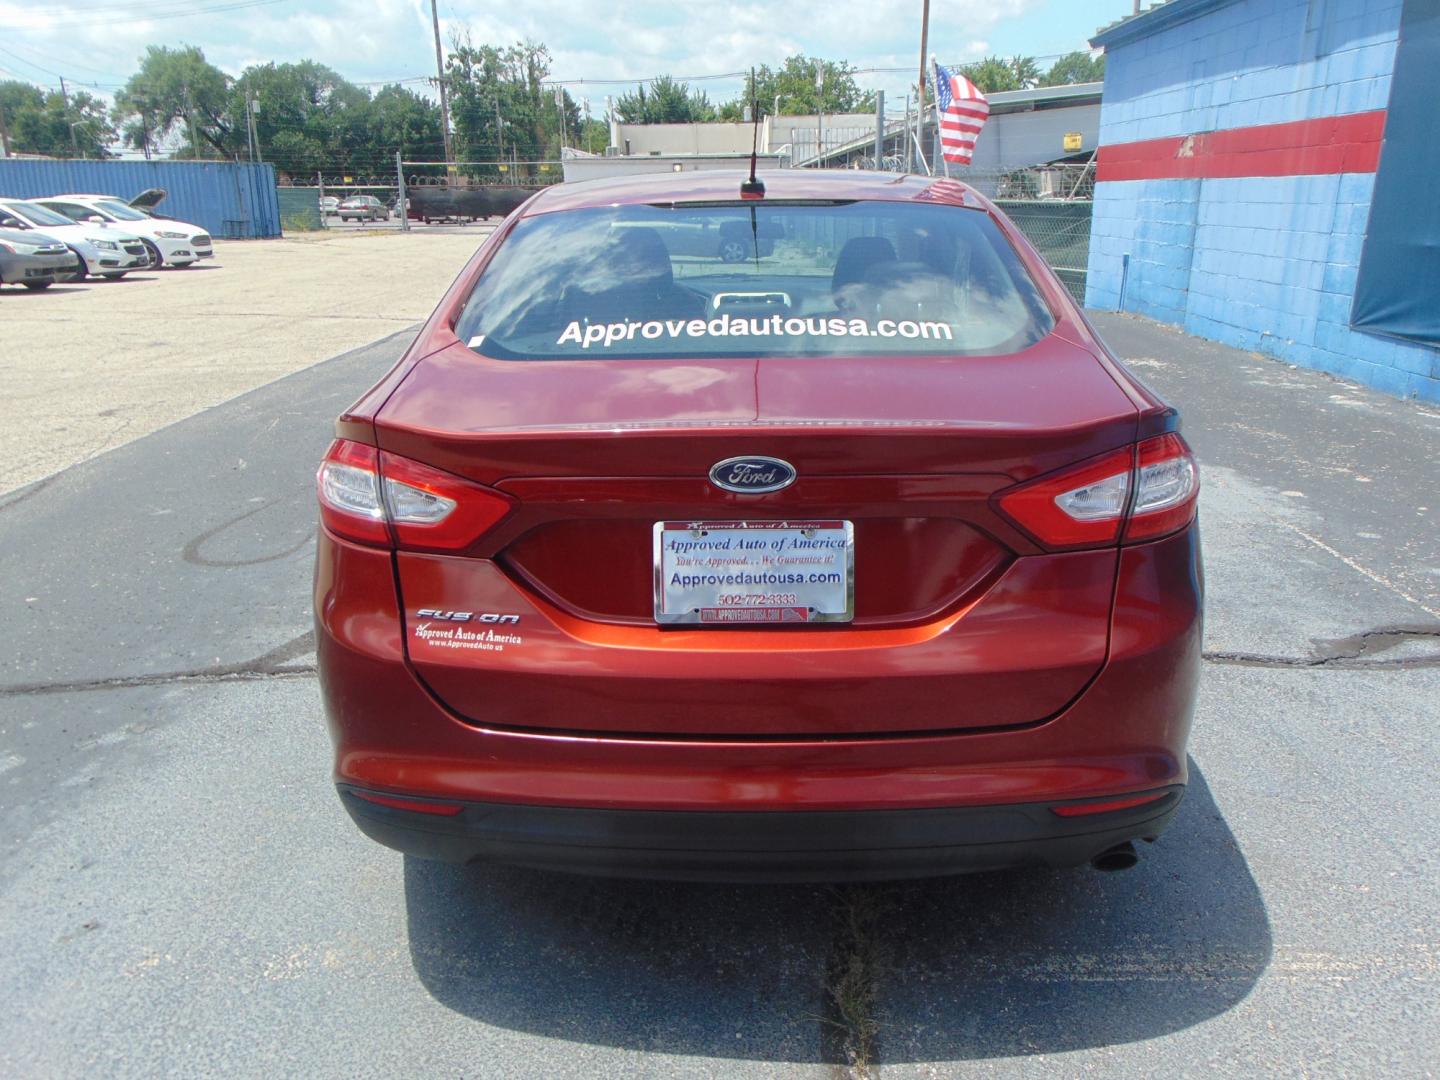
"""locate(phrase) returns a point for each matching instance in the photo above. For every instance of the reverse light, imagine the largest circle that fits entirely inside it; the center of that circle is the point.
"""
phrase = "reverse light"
(1129, 495)
(1167, 486)
(375, 497)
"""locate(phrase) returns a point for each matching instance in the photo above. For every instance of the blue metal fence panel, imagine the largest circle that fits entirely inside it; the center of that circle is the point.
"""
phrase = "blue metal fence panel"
(230, 200)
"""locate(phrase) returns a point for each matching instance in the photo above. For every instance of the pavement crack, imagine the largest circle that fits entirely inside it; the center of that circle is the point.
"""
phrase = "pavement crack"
(277, 663)
(849, 1032)
(1357, 651)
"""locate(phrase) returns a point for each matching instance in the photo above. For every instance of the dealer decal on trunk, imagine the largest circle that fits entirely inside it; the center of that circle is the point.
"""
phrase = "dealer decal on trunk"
(452, 634)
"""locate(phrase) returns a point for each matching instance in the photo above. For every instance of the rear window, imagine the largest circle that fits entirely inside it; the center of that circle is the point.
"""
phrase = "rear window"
(121, 211)
(691, 281)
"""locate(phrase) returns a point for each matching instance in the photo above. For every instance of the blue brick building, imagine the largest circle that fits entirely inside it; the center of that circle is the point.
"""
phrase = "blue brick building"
(1266, 178)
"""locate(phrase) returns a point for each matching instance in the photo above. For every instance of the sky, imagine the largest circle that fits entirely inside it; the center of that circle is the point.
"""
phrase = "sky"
(96, 44)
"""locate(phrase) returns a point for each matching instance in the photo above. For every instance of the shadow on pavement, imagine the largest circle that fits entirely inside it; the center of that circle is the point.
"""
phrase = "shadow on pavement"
(984, 966)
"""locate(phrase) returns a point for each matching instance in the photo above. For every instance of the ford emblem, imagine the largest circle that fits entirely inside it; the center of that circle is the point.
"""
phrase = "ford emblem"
(752, 475)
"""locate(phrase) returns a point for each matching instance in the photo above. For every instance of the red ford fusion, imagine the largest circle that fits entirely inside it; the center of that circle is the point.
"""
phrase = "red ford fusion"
(856, 555)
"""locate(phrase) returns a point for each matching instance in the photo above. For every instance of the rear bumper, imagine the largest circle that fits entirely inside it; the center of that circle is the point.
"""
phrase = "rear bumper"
(1125, 734)
(773, 846)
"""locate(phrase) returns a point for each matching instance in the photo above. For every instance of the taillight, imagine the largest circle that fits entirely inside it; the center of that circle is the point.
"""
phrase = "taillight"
(1166, 489)
(1146, 491)
(348, 486)
(374, 497)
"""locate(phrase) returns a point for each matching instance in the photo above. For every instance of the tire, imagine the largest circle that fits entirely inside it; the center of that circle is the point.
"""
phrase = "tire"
(80, 273)
(156, 259)
(115, 275)
(36, 286)
(732, 251)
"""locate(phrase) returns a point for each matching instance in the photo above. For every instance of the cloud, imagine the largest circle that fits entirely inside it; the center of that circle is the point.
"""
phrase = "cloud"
(369, 40)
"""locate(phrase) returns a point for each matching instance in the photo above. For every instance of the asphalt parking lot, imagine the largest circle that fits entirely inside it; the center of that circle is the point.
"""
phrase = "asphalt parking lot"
(93, 365)
(181, 893)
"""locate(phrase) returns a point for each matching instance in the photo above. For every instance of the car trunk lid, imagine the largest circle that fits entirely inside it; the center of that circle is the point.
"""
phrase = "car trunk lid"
(909, 450)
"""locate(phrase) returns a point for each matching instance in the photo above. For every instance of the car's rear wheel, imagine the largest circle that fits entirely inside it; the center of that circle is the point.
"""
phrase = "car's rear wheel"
(36, 286)
(156, 259)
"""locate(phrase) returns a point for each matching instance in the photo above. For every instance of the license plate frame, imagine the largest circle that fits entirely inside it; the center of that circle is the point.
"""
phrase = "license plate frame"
(771, 551)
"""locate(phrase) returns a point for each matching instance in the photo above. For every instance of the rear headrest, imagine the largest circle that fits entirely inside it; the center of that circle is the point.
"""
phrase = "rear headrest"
(857, 257)
(639, 258)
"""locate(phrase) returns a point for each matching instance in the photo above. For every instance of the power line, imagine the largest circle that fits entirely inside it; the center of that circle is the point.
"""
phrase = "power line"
(54, 60)
(131, 13)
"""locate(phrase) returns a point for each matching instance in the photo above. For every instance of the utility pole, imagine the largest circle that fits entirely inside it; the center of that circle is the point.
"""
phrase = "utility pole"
(249, 127)
(65, 97)
(920, 87)
(252, 131)
(401, 200)
(879, 130)
(819, 114)
(444, 95)
(190, 121)
(908, 156)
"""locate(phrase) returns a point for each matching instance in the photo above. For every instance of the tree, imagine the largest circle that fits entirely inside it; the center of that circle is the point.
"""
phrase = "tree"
(1075, 67)
(40, 121)
(501, 108)
(309, 118)
(793, 84)
(992, 75)
(402, 120)
(178, 92)
(668, 102)
(1026, 72)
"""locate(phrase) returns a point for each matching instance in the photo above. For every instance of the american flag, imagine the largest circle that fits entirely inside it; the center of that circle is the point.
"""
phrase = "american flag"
(963, 110)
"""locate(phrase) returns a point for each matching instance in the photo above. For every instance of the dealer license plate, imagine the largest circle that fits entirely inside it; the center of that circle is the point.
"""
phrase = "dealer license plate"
(748, 573)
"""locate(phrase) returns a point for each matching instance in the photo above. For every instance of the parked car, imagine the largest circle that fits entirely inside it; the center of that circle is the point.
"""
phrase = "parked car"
(729, 241)
(329, 204)
(871, 564)
(167, 241)
(32, 259)
(104, 252)
(363, 208)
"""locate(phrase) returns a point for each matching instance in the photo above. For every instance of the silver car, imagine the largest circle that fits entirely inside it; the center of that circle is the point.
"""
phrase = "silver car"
(32, 259)
(363, 208)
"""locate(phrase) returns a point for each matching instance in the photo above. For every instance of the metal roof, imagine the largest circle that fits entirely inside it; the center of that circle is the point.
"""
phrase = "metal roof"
(1014, 100)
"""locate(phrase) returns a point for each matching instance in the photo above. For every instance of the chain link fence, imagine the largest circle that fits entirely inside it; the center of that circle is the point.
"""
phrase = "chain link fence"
(1051, 205)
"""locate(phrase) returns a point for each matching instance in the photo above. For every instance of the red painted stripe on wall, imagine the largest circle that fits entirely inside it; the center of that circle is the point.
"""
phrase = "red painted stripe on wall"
(1330, 144)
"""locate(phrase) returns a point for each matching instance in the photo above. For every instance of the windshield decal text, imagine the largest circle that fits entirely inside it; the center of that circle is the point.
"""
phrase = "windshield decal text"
(727, 325)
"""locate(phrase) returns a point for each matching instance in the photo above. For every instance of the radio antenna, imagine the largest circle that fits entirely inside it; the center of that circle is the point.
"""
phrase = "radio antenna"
(753, 188)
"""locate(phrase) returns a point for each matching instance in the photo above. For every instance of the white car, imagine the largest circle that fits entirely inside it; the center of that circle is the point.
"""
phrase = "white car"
(105, 252)
(173, 242)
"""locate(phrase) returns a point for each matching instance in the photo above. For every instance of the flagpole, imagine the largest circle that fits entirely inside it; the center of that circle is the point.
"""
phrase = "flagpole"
(920, 105)
(944, 161)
